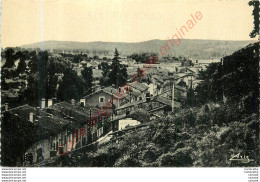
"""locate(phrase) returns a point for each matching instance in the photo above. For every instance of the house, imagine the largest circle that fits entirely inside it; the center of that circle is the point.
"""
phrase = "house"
(138, 91)
(186, 77)
(180, 93)
(101, 97)
(160, 83)
(59, 130)
(195, 83)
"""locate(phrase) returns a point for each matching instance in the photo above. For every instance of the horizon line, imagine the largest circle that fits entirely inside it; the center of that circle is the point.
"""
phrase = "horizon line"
(253, 40)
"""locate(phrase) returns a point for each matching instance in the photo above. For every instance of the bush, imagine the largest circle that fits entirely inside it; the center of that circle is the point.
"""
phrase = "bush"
(140, 115)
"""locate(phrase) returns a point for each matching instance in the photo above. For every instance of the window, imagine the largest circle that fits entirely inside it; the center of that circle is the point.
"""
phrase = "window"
(101, 99)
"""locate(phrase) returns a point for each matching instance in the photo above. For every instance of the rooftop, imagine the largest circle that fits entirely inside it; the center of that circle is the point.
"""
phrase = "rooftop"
(139, 86)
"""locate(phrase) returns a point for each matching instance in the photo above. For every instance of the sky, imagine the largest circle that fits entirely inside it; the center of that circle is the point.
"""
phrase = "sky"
(29, 21)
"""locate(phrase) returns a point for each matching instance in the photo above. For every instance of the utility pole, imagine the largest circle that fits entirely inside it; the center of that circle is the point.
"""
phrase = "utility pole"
(172, 96)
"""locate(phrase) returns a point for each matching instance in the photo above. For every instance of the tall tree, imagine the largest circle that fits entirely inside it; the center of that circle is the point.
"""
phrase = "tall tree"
(71, 86)
(52, 81)
(122, 79)
(9, 58)
(21, 66)
(33, 64)
(118, 74)
(255, 13)
(104, 81)
(105, 69)
(87, 75)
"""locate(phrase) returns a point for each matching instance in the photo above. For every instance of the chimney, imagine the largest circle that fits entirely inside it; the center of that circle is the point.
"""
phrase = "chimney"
(73, 102)
(31, 117)
(50, 102)
(6, 106)
(43, 103)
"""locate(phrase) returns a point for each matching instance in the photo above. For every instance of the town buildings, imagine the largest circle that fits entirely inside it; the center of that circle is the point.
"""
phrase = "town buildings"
(60, 124)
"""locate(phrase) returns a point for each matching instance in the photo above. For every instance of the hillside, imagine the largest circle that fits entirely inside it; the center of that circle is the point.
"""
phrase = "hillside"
(198, 49)
(206, 134)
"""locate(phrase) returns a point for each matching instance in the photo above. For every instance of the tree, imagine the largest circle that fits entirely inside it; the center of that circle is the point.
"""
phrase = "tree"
(77, 59)
(32, 91)
(118, 73)
(21, 66)
(17, 136)
(140, 115)
(9, 58)
(33, 64)
(104, 81)
(71, 86)
(95, 57)
(255, 13)
(52, 81)
(105, 69)
(115, 67)
(122, 78)
(140, 74)
(87, 75)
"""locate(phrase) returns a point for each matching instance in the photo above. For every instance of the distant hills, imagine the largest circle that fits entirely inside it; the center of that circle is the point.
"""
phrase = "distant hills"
(194, 48)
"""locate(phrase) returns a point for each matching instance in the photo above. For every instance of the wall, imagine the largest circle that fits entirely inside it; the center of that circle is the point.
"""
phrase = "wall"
(93, 100)
(125, 122)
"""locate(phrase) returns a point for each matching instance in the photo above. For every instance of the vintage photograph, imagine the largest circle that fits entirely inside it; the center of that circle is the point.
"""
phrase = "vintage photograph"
(130, 83)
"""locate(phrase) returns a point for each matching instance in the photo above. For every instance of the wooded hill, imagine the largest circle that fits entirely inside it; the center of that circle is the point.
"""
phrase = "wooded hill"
(198, 49)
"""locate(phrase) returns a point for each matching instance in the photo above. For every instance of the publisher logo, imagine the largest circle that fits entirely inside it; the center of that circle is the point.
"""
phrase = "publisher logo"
(244, 158)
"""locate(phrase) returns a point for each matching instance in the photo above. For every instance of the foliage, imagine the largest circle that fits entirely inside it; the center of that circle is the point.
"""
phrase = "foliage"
(71, 86)
(17, 136)
(230, 79)
(87, 75)
(142, 57)
(118, 73)
(21, 66)
(255, 13)
(9, 58)
(140, 115)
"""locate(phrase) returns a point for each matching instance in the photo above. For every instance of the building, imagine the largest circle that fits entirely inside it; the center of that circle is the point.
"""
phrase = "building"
(186, 77)
(124, 123)
(138, 91)
(60, 128)
(101, 97)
